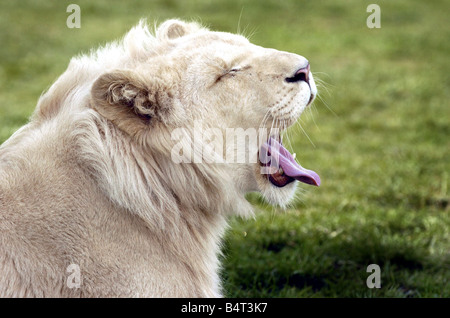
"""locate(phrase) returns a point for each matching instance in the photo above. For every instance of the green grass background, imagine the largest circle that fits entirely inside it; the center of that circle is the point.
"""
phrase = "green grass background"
(379, 136)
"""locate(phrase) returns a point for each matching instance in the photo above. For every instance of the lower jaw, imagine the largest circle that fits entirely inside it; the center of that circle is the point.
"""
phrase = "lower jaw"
(280, 179)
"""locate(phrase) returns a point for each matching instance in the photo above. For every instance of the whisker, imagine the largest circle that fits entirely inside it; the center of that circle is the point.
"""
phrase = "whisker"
(326, 105)
(271, 127)
(239, 21)
(288, 138)
(264, 120)
(311, 111)
(307, 136)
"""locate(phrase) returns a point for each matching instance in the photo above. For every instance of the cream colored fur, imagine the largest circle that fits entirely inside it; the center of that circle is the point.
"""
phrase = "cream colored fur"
(90, 181)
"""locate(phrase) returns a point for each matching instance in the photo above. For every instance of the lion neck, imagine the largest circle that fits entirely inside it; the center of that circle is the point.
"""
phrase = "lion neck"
(185, 206)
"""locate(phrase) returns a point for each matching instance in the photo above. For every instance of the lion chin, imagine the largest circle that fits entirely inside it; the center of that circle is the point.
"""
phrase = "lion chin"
(104, 193)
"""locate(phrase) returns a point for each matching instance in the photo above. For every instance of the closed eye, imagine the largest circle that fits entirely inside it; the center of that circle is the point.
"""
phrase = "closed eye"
(231, 73)
(238, 69)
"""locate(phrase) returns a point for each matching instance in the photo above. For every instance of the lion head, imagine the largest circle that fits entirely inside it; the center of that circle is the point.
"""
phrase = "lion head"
(190, 75)
(152, 92)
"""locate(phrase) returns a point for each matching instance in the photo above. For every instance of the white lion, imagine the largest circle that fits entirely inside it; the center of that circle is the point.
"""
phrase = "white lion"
(91, 202)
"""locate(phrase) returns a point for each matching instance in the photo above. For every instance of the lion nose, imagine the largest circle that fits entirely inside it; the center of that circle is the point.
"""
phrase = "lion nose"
(300, 75)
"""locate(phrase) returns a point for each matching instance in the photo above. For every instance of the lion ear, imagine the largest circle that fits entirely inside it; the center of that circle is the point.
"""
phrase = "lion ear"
(172, 29)
(127, 100)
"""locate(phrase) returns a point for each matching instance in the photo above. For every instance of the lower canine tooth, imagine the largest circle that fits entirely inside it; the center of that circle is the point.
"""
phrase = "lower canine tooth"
(294, 155)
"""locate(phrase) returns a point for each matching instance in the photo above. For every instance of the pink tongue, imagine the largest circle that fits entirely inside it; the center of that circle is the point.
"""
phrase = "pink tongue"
(287, 162)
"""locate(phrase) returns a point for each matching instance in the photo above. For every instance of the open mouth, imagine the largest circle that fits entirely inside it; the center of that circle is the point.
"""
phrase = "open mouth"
(280, 166)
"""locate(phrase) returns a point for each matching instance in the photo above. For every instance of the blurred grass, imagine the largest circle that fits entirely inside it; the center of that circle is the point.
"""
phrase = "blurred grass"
(379, 135)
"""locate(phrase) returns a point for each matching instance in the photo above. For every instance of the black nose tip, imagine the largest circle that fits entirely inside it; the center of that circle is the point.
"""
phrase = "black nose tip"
(300, 75)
